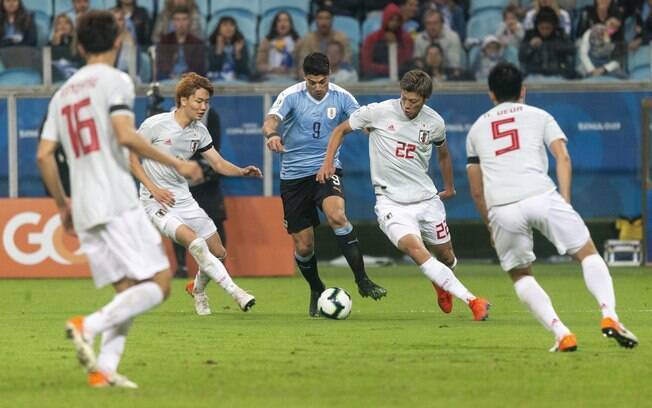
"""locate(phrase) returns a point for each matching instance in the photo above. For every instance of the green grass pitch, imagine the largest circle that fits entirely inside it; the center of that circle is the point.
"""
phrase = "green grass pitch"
(400, 351)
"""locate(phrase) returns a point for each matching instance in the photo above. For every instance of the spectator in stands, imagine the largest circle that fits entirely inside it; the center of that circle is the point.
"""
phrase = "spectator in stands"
(546, 50)
(350, 8)
(436, 32)
(434, 63)
(180, 51)
(491, 53)
(564, 17)
(510, 32)
(410, 14)
(137, 20)
(643, 17)
(317, 41)
(452, 14)
(228, 58)
(341, 70)
(79, 7)
(65, 59)
(128, 46)
(598, 54)
(16, 25)
(277, 51)
(375, 50)
(164, 24)
(600, 12)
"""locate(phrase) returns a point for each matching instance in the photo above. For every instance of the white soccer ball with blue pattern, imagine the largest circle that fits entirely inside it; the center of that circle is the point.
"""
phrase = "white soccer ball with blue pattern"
(335, 303)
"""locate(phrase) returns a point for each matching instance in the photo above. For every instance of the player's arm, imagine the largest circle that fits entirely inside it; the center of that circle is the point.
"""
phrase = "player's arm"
(165, 197)
(50, 172)
(564, 167)
(337, 137)
(446, 168)
(474, 173)
(123, 125)
(226, 168)
(272, 137)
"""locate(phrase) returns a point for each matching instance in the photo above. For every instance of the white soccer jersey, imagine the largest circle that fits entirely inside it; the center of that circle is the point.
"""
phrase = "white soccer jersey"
(79, 118)
(400, 149)
(164, 132)
(510, 143)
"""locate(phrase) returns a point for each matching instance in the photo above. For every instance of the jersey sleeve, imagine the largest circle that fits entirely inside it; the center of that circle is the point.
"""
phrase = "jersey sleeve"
(205, 139)
(552, 131)
(350, 104)
(121, 96)
(439, 134)
(146, 131)
(49, 131)
(282, 105)
(363, 117)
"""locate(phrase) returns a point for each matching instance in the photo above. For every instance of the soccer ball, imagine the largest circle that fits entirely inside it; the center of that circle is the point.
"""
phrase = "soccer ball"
(335, 303)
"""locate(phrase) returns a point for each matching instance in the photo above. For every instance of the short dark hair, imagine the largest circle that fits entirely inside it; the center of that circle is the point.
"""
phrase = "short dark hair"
(324, 9)
(97, 31)
(182, 9)
(316, 63)
(505, 81)
(417, 81)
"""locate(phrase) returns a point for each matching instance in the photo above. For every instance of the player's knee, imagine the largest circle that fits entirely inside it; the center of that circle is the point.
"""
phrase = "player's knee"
(220, 253)
(447, 258)
(305, 248)
(338, 220)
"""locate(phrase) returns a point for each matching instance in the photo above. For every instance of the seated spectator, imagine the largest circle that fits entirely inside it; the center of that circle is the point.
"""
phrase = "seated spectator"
(341, 71)
(437, 33)
(180, 51)
(137, 20)
(598, 54)
(375, 49)
(564, 17)
(350, 8)
(410, 14)
(65, 59)
(164, 24)
(453, 15)
(599, 12)
(317, 41)
(434, 63)
(228, 58)
(510, 32)
(128, 53)
(17, 26)
(277, 52)
(491, 53)
(546, 50)
(79, 7)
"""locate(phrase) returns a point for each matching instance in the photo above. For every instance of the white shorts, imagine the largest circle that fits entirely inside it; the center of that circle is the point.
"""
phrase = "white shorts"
(425, 219)
(128, 246)
(191, 215)
(512, 224)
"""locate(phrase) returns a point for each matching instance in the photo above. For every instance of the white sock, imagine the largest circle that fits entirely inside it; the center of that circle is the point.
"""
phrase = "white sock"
(598, 281)
(113, 345)
(211, 266)
(537, 300)
(134, 301)
(201, 280)
(444, 278)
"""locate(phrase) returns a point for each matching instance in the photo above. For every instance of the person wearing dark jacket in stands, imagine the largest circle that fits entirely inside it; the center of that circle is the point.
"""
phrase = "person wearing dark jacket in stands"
(17, 25)
(180, 51)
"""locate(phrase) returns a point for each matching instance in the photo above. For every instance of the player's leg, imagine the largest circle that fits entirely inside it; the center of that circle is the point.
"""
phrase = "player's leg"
(444, 254)
(330, 197)
(304, 254)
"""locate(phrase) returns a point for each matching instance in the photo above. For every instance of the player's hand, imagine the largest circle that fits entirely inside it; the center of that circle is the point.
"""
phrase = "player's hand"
(164, 197)
(65, 213)
(275, 144)
(251, 171)
(446, 194)
(325, 172)
(190, 170)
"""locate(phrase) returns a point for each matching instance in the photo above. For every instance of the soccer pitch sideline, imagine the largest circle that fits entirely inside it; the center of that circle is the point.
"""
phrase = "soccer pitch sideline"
(400, 351)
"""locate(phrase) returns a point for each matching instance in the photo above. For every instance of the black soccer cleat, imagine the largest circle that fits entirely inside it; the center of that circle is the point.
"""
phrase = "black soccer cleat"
(313, 309)
(615, 330)
(366, 288)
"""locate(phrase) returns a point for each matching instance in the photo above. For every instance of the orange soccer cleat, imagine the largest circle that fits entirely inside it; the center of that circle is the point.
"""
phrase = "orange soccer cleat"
(98, 379)
(480, 308)
(565, 344)
(444, 299)
(190, 287)
(615, 330)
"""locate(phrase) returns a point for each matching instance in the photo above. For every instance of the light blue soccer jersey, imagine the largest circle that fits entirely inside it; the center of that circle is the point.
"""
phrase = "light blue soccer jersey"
(307, 126)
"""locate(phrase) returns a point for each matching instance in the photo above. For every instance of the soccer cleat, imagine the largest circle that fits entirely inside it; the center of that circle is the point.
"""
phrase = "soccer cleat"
(615, 330)
(444, 299)
(480, 308)
(565, 344)
(85, 353)
(201, 300)
(245, 300)
(367, 288)
(98, 379)
(190, 287)
(313, 309)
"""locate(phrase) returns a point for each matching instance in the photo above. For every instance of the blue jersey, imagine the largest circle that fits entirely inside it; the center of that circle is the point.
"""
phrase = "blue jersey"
(307, 127)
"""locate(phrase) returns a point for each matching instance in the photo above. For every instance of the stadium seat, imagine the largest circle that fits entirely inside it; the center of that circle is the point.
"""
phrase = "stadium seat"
(630, 28)
(245, 19)
(42, 21)
(480, 5)
(20, 77)
(299, 19)
(202, 5)
(272, 6)
(144, 67)
(601, 78)
(483, 23)
(641, 74)
(372, 23)
(252, 6)
(639, 58)
(63, 6)
(44, 6)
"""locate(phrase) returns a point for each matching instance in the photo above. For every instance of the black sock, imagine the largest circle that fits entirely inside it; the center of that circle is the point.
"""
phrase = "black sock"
(311, 275)
(350, 247)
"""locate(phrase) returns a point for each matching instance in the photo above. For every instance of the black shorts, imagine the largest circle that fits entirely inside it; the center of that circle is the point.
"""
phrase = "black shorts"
(301, 198)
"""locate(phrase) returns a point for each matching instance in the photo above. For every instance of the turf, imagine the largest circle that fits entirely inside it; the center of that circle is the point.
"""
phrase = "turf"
(401, 351)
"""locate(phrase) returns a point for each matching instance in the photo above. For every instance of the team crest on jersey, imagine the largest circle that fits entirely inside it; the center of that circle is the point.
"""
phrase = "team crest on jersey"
(331, 112)
(194, 144)
(424, 136)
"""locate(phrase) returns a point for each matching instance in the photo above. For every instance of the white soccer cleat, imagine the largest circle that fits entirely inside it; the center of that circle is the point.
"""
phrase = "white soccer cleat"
(118, 380)
(98, 379)
(245, 300)
(85, 353)
(201, 304)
